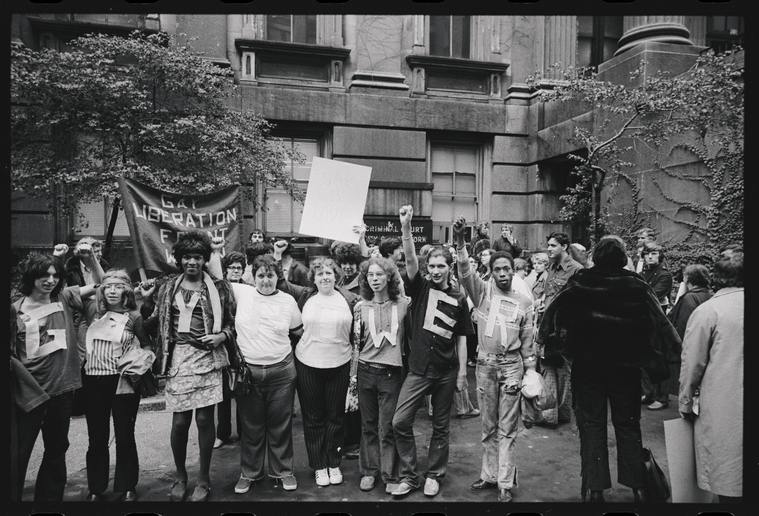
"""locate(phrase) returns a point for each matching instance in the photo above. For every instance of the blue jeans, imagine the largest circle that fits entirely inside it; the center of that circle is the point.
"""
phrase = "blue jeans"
(378, 390)
(266, 417)
(498, 382)
(415, 387)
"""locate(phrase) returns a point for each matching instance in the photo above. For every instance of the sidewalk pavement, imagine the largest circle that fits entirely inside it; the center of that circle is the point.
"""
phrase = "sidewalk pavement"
(548, 463)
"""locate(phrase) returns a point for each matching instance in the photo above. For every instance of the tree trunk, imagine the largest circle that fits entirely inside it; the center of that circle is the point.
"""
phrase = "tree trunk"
(111, 228)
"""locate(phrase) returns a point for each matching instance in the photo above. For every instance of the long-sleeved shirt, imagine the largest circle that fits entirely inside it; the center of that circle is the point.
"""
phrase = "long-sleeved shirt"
(504, 319)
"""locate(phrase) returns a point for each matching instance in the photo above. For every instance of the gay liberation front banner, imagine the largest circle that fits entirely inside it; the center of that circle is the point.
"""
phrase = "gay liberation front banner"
(155, 219)
(335, 199)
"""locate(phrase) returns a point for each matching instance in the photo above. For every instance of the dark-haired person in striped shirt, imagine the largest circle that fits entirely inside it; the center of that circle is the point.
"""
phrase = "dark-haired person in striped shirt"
(116, 328)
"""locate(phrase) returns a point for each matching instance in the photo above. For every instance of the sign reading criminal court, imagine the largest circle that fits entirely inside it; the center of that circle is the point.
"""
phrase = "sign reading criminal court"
(335, 199)
(421, 229)
(155, 219)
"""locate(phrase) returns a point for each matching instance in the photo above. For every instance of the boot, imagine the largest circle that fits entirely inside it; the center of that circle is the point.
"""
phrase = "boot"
(596, 496)
(640, 494)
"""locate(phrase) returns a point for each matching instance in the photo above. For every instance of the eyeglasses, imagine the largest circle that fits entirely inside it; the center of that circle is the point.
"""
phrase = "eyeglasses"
(234, 268)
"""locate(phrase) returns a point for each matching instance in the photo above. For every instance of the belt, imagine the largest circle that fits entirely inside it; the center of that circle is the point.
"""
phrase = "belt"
(497, 354)
(269, 366)
(381, 367)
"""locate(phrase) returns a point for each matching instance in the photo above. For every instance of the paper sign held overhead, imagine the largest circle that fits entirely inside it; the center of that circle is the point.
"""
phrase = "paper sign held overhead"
(335, 199)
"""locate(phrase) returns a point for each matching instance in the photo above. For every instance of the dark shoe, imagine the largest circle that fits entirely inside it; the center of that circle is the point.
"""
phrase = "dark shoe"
(178, 491)
(129, 496)
(352, 454)
(201, 494)
(552, 426)
(596, 496)
(92, 497)
(640, 495)
(480, 484)
(504, 495)
(646, 400)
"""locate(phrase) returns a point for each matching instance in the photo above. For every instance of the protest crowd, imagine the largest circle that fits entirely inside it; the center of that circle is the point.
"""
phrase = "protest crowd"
(366, 337)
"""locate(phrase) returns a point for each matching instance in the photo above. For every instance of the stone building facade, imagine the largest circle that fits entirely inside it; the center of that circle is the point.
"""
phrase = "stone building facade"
(438, 106)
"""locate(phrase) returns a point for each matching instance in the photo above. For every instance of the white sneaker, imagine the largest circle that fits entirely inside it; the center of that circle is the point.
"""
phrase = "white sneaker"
(335, 476)
(322, 477)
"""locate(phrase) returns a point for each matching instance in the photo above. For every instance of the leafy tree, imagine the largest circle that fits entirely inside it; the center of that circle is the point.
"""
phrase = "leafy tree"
(700, 112)
(139, 107)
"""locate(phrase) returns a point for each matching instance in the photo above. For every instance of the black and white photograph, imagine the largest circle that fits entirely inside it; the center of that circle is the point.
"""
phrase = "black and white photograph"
(254, 258)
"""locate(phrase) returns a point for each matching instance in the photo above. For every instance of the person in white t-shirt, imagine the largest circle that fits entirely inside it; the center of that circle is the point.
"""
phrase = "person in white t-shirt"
(323, 360)
(264, 322)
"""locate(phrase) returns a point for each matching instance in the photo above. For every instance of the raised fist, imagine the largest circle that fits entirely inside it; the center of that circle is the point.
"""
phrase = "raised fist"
(459, 226)
(60, 250)
(217, 243)
(406, 213)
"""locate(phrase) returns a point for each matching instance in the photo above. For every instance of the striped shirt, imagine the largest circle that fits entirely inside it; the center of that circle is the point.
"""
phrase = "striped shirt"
(104, 356)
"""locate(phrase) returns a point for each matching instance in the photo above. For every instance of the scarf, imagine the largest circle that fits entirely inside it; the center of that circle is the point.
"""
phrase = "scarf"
(210, 304)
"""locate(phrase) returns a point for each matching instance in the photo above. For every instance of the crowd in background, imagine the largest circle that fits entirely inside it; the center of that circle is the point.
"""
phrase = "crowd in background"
(368, 335)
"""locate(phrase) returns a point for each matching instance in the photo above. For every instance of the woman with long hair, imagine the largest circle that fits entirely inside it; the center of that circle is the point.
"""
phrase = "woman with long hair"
(116, 328)
(45, 344)
(379, 322)
(193, 317)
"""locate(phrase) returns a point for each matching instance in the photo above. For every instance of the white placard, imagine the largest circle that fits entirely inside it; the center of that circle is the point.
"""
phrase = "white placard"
(335, 199)
(681, 460)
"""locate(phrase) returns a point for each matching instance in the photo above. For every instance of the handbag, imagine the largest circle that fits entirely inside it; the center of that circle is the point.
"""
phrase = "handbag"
(657, 487)
(236, 377)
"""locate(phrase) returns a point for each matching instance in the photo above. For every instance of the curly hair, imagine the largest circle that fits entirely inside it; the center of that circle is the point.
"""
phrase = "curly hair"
(127, 296)
(390, 270)
(319, 263)
(347, 253)
(539, 257)
(190, 242)
(500, 254)
(36, 267)
(233, 257)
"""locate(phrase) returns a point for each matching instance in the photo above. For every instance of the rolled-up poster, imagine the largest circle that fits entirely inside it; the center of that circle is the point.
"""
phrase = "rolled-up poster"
(681, 459)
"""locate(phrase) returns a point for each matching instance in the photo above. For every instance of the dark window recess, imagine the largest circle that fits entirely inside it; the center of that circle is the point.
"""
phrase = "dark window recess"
(291, 68)
(450, 36)
(467, 82)
(597, 39)
(723, 33)
(293, 28)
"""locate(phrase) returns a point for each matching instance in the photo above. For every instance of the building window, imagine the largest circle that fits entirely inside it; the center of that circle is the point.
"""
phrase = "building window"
(293, 28)
(454, 170)
(282, 216)
(724, 32)
(450, 36)
(597, 39)
(93, 218)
